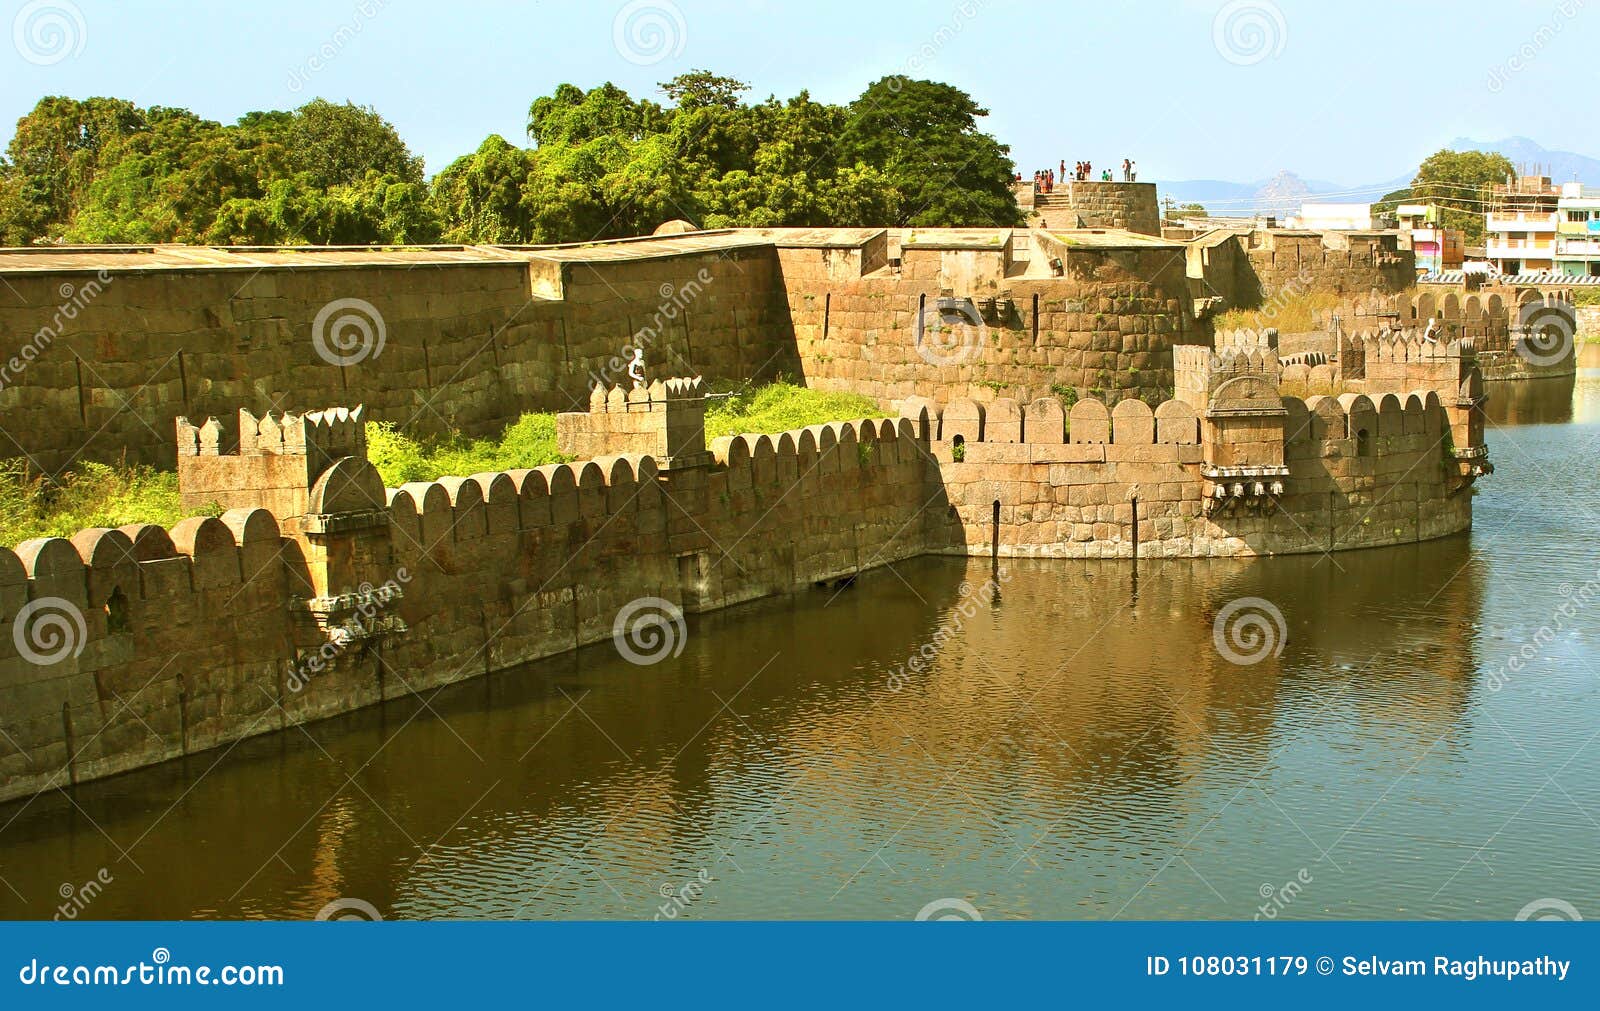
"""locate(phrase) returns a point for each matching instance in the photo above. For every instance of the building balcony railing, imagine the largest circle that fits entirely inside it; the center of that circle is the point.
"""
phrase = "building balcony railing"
(1579, 247)
(1520, 247)
(1521, 222)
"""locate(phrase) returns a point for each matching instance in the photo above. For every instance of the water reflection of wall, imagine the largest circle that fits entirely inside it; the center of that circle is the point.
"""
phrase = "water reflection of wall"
(585, 781)
(1534, 402)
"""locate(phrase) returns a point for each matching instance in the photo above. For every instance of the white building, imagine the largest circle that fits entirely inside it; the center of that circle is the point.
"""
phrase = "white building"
(1520, 226)
(1578, 231)
(1334, 218)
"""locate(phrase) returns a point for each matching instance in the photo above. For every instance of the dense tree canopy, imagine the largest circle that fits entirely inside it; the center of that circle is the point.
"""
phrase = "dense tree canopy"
(602, 164)
(1458, 181)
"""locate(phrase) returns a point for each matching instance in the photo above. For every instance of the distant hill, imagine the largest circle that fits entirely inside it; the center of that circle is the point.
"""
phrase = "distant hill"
(1563, 166)
(1281, 195)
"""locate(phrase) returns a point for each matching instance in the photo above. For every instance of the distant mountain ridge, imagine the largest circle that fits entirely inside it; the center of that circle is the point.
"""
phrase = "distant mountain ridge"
(1283, 193)
(1562, 166)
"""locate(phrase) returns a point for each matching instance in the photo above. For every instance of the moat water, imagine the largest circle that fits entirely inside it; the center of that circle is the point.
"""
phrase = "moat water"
(1077, 748)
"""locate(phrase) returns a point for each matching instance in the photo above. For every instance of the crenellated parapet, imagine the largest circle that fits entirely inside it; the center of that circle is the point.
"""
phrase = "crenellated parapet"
(1199, 372)
(272, 462)
(665, 419)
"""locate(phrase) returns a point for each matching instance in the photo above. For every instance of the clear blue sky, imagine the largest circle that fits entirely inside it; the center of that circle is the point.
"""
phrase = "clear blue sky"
(1350, 92)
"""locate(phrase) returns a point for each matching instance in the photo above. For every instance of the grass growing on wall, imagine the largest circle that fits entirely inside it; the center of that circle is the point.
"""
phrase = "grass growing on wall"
(1288, 313)
(530, 441)
(92, 495)
(112, 495)
(782, 406)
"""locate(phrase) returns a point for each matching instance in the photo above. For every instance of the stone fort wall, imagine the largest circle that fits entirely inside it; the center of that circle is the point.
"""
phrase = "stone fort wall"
(1096, 204)
(466, 346)
(211, 631)
(1105, 327)
(1357, 473)
(122, 648)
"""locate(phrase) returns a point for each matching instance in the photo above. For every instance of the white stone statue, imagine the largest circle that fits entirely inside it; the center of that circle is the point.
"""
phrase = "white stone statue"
(636, 368)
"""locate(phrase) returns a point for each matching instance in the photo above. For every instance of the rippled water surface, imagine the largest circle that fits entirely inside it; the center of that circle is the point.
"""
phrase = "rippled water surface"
(1075, 749)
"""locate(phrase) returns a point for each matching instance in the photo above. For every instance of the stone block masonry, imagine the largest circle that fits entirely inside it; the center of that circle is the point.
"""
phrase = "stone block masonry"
(441, 340)
(123, 648)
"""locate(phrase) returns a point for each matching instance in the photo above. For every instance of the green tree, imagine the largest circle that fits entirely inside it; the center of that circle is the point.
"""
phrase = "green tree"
(339, 144)
(1459, 182)
(478, 197)
(924, 137)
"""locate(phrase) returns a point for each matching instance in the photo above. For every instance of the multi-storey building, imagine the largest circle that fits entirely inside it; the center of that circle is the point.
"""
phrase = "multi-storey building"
(1578, 231)
(1520, 225)
(1437, 248)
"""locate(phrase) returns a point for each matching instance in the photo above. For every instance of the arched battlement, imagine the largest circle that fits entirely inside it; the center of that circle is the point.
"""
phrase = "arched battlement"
(1089, 421)
(1003, 421)
(963, 417)
(1176, 423)
(1045, 422)
(151, 540)
(1329, 419)
(1132, 424)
